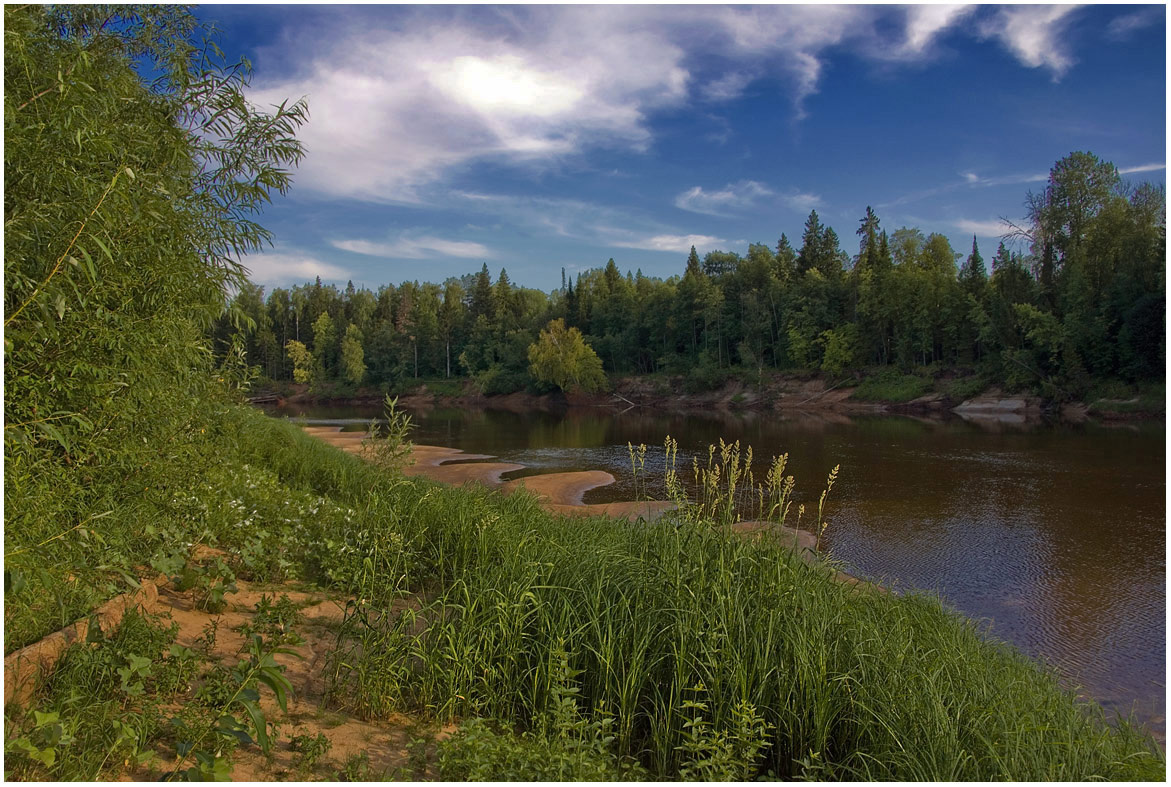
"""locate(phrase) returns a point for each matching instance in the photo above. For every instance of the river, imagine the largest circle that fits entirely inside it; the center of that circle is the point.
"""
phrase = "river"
(1053, 534)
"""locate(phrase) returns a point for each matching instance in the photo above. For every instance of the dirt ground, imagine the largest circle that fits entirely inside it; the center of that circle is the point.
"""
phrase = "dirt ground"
(399, 747)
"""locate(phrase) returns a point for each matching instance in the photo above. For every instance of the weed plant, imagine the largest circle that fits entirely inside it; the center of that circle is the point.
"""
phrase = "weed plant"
(108, 707)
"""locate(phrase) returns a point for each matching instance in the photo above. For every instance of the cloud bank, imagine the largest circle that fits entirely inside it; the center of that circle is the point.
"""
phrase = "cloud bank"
(402, 102)
(277, 269)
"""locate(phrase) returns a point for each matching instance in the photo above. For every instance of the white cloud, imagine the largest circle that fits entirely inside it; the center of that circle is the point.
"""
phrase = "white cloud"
(728, 86)
(588, 223)
(400, 102)
(926, 22)
(801, 202)
(788, 40)
(1022, 177)
(394, 110)
(276, 269)
(1121, 27)
(1142, 168)
(416, 248)
(970, 179)
(985, 229)
(674, 243)
(1035, 34)
(716, 203)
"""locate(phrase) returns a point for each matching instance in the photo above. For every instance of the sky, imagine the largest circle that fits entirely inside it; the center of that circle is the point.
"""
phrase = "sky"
(542, 138)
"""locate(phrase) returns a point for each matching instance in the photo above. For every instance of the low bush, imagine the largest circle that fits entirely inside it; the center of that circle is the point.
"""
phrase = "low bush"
(963, 388)
(891, 386)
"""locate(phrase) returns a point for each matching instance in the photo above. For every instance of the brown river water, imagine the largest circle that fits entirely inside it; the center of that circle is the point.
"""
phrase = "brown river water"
(1054, 535)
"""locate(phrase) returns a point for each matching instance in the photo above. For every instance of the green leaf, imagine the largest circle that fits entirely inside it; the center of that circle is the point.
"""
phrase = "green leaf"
(90, 268)
(104, 247)
(45, 718)
(54, 433)
(277, 683)
(258, 724)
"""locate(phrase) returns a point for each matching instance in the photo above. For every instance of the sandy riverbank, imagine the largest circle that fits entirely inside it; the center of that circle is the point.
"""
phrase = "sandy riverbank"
(560, 493)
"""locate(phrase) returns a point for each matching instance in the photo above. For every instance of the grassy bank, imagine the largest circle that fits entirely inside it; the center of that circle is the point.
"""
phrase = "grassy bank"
(594, 648)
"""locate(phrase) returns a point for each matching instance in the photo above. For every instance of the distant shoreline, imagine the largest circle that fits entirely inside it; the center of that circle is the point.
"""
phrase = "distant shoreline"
(780, 393)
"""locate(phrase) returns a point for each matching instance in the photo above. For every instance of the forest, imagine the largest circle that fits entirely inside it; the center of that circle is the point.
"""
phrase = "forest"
(1084, 302)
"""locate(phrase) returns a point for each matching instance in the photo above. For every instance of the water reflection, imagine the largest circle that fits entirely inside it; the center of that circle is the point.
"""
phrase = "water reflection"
(1054, 534)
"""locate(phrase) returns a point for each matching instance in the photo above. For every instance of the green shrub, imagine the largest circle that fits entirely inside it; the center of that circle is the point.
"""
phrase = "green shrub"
(891, 386)
(963, 388)
(564, 747)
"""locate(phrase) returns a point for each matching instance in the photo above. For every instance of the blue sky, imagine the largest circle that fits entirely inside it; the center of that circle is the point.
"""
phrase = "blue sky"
(534, 138)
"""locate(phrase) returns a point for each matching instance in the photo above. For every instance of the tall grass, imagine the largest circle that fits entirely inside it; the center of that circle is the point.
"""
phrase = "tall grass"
(697, 653)
(659, 621)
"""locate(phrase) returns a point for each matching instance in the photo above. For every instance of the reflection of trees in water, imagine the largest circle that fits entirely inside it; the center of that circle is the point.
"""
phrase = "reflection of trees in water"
(575, 430)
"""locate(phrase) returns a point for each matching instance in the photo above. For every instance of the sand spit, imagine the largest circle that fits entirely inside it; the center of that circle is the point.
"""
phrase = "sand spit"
(560, 493)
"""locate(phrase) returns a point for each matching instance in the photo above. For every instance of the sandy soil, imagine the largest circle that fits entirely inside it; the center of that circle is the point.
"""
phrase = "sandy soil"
(560, 493)
(385, 742)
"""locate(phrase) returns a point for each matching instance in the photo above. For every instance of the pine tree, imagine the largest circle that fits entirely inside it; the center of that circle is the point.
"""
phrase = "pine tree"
(481, 305)
(785, 260)
(868, 247)
(973, 277)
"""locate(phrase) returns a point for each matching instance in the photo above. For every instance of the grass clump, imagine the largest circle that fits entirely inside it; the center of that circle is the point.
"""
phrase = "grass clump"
(111, 704)
(564, 746)
(891, 386)
(963, 388)
(1115, 397)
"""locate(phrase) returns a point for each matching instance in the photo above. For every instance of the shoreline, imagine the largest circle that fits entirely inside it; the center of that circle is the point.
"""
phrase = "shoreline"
(991, 406)
(562, 493)
(559, 493)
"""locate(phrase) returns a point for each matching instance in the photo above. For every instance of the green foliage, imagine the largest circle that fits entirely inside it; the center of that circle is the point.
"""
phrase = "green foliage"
(705, 375)
(273, 621)
(118, 257)
(720, 755)
(233, 715)
(565, 747)
(839, 348)
(104, 704)
(561, 357)
(387, 446)
(353, 366)
(1095, 266)
(963, 388)
(324, 345)
(304, 364)
(356, 768)
(310, 749)
(890, 386)
(209, 584)
(874, 686)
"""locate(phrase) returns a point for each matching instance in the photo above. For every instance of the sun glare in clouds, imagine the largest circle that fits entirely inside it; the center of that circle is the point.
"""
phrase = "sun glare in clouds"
(505, 85)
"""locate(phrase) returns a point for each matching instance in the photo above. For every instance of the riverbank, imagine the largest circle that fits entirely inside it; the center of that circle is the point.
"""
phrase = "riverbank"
(880, 395)
(617, 650)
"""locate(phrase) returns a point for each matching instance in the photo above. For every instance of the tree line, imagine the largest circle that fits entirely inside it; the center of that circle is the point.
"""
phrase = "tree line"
(1077, 294)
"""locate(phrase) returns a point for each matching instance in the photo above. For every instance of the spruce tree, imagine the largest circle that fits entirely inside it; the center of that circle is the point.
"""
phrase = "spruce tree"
(972, 276)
